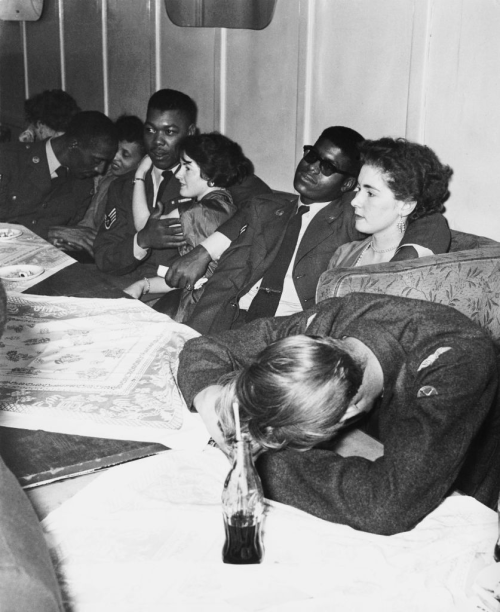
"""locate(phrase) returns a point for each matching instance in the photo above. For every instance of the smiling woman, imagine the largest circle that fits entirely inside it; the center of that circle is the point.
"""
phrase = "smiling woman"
(399, 182)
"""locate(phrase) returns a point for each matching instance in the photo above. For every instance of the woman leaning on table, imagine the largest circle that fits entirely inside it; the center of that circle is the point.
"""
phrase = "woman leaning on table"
(399, 182)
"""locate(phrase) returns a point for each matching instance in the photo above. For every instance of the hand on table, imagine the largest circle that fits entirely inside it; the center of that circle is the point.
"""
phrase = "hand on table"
(161, 233)
(136, 289)
(73, 238)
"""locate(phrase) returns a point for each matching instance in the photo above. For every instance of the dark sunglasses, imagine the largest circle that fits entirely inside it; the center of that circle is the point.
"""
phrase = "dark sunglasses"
(311, 156)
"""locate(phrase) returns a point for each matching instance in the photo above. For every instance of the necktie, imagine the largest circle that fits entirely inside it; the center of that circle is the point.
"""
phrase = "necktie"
(167, 176)
(62, 174)
(265, 303)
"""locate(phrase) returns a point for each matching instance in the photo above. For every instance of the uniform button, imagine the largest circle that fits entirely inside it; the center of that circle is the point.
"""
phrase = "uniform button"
(14, 197)
(33, 222)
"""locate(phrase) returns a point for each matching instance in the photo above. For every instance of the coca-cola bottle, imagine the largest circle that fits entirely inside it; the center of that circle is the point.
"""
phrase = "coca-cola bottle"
(243, 508)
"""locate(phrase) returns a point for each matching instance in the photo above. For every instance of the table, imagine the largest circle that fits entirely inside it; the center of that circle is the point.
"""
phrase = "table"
(40, 457)
(46, 458)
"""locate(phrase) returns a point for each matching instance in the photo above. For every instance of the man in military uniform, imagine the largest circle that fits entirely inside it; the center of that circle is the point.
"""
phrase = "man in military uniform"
(51, 182)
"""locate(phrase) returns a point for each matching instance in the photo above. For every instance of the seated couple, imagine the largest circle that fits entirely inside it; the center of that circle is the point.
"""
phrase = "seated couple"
(272, 252)
(422, 373)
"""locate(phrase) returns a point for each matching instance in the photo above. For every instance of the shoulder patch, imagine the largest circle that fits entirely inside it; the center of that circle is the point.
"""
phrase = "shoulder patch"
(432, 358)
(427, 391)
(110, 218)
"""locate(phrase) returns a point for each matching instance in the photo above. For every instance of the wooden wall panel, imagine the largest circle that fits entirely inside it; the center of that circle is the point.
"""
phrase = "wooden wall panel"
(83, 52)
(187, 62)
(462, 109)
(361, 54)
(262, 103)
(43, 50)
(11, 76)
(130, 52)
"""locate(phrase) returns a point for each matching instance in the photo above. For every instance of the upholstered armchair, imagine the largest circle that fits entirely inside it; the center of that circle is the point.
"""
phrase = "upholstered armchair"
(467, 278)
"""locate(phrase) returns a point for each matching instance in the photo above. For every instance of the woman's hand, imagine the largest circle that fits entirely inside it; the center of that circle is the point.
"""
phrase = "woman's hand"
(144, 165)
(136, 290)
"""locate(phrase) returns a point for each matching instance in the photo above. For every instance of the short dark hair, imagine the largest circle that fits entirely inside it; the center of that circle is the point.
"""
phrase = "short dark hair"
(130, 129)
(170, 100)
(90, 127)
(294, 394)
(412, 172)
(53, 107)
(221, 160)
(348, 141)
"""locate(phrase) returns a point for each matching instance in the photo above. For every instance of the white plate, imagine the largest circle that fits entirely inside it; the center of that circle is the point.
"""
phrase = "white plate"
(7, 233)
(20, 273)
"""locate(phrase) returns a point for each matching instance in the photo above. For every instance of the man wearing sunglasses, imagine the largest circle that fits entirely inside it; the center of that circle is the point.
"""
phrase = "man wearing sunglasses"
(273, 252)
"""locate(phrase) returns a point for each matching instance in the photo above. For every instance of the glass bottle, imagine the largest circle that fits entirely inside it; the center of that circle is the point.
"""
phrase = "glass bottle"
(243, 508)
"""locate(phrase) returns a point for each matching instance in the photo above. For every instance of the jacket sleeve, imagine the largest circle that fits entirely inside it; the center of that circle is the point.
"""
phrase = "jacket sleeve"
(204, 360)
(114, 243)
(431, 232)
(425, 446)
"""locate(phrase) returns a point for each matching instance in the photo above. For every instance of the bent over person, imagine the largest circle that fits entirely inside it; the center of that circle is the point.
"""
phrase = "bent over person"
(423, 373)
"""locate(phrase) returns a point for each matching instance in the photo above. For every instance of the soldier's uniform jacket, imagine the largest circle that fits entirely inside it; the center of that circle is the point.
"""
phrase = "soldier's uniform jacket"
(29, 197)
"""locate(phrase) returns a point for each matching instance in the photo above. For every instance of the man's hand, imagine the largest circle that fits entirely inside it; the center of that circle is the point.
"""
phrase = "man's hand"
(160, 233)
(73, 238)
(189, 268)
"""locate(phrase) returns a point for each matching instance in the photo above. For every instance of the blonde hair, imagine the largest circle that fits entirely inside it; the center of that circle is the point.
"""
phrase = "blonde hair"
(293, 394)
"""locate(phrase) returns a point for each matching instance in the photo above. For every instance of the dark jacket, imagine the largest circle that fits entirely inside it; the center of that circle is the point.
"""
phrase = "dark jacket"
(27, 195)
(261, 231)
(113, 246)
(438, 417)
(257, 233)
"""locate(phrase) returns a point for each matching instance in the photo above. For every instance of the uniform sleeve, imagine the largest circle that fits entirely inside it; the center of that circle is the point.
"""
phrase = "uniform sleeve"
(114, 243)
(204, 360)
(425, 445)
(431, 232)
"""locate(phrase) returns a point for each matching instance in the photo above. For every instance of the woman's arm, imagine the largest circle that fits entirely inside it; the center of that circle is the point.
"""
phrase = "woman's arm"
(139, 202)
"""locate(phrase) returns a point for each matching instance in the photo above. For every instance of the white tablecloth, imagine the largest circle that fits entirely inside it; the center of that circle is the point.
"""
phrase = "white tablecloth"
(30, 249)
(147, 536)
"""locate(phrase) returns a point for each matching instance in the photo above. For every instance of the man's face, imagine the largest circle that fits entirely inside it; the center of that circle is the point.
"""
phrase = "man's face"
(164, 132)
(313, 185)
(88, 161)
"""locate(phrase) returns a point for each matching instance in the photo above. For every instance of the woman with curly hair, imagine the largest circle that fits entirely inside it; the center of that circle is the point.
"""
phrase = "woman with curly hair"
(209, 164)
(399, 182)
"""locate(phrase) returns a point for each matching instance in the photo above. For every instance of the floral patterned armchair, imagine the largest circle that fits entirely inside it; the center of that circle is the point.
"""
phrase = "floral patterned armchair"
(467, 278)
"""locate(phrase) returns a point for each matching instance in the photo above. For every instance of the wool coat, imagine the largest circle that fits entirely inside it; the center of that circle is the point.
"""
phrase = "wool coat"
(438, 417)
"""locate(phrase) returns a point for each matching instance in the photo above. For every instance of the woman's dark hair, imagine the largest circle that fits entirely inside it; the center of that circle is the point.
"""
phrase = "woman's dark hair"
(220, 159)
(412, 171)
(294, 394)
(53, 107)
(130, 129)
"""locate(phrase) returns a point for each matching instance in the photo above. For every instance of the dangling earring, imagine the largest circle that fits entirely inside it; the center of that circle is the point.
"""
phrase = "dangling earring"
(211, 184)
(401, 224)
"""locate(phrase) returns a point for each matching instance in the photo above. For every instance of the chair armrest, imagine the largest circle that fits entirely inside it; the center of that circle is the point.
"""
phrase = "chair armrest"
(466, 280)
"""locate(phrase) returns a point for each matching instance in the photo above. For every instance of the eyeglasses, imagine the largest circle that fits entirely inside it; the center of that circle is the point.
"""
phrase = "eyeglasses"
(311, 156)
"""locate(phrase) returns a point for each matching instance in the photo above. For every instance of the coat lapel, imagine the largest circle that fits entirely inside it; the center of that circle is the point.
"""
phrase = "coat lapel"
(320, 229)
(38, 167)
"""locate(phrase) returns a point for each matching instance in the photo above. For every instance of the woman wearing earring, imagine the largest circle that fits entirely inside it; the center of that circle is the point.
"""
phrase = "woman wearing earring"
(399, 182)
(209, 163)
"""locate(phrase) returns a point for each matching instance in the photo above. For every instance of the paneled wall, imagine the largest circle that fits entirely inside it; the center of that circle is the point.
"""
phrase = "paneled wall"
(425, 69)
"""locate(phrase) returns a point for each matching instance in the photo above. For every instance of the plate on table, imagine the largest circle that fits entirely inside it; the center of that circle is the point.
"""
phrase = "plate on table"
(20, 273)
(7, 233)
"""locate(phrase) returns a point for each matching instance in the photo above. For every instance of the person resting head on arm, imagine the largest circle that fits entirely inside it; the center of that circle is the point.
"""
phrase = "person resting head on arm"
(396, 365)
(399, 182)
(210, 163)
(128, 156)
